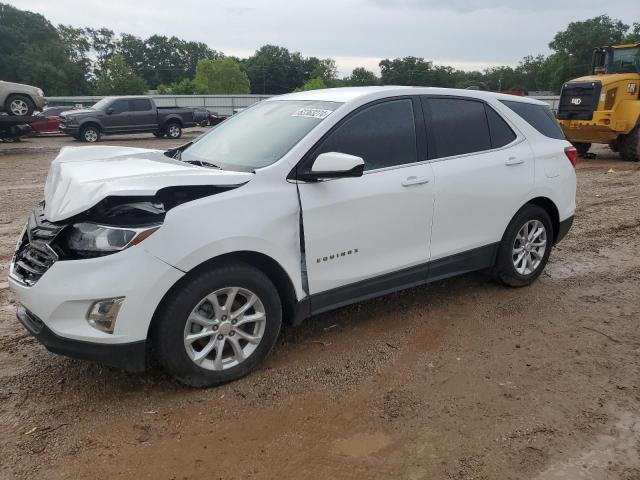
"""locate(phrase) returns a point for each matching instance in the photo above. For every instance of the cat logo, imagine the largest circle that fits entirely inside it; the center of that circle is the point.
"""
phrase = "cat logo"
(576, 101)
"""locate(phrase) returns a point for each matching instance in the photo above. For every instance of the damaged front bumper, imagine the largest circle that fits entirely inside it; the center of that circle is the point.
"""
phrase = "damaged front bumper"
(55, 309)
(126, 356)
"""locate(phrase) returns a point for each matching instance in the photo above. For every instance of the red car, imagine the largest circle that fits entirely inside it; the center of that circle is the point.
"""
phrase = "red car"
(48, 120)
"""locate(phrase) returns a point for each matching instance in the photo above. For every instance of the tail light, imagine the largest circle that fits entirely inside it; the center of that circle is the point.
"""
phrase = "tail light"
(572, 155)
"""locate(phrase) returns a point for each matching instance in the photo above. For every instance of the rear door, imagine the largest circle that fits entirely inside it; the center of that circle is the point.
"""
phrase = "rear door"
(143, 116)
(370, 233)
(484, 171)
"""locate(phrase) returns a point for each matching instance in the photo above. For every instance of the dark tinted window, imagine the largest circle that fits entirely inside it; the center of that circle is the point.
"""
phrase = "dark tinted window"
(140, 104)
(501, 133)
(539, 117)
(458, 126)
(120, 106)
(383, 135)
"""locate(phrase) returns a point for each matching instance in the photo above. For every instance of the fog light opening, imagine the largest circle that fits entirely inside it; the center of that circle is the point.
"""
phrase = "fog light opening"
(102, 314)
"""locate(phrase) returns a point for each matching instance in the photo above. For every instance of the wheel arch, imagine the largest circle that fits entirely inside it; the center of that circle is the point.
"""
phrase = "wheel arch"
(173, 119)
(552, 210)
(88, 123)
(270, 267)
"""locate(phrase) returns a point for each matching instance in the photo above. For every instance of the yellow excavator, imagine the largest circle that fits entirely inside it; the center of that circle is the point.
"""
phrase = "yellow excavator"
(604, 107)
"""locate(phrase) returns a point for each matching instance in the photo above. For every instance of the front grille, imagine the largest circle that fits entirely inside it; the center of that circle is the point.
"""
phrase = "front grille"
(34, 255)
(578, 100)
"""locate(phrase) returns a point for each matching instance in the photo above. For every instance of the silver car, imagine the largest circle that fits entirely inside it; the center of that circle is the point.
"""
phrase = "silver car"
(19, 99)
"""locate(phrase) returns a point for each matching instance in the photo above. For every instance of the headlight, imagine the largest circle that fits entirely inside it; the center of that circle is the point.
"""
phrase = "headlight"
(92, 240)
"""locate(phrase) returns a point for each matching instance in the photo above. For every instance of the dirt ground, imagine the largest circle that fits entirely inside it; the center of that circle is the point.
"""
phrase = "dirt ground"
(461, 379)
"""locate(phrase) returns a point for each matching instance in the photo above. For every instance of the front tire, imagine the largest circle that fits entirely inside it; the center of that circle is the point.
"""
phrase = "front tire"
(525, 247)
(18, 105)
(90, 134)
(173, 130)
(629, 145)
(219, 326)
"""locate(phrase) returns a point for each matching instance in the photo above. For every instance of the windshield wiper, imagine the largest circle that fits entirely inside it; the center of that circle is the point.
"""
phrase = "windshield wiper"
(177, 152)
(202, 163)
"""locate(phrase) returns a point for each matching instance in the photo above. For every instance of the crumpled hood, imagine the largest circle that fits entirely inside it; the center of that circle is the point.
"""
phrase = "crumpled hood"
(80, 177)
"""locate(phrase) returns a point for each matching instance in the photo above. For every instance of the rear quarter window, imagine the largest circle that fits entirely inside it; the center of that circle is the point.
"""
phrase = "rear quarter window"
(539, 117)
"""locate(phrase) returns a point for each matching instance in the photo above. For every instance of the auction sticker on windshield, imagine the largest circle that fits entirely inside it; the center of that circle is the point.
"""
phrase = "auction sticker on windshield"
(312, 112)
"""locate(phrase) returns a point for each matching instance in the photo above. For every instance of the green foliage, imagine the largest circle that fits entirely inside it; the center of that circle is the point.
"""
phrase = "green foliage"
(185, 86)
(316, 83)
(71, 61)
(221, 76)
(579, 39)
(361, 77)
(118, 78)
(32, 52)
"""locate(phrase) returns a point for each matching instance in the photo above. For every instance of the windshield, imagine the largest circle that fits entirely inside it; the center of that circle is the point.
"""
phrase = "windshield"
(259, 136)
(624, 60)
(102, 104)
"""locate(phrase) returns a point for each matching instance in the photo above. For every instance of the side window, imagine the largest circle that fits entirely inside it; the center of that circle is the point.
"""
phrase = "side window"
(120, 106)
(140, 104)
(539, 117)
(458, 126)
(501, 133)
(384, 135)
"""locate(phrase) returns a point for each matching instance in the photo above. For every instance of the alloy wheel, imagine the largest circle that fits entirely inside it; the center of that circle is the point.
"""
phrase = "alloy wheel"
(18, 107)
(529, 247)
(90, 135)
(174, 131)
(225, 328)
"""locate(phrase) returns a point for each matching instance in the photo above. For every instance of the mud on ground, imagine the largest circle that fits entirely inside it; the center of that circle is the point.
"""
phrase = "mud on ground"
(461, 379)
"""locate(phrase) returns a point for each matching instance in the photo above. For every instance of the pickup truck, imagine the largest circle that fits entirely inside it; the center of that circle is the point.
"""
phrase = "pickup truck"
(126, 115)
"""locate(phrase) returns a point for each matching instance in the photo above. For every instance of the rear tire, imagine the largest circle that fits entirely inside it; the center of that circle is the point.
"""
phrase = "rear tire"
(629, 145)
(521, 260)
(17, 105)
(190, 311)
(582, 148)
(614, 146)
(90, 134)
(173, 130)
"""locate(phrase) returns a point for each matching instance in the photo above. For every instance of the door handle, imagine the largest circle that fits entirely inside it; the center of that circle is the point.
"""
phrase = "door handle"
(513, 161)
(415, 181)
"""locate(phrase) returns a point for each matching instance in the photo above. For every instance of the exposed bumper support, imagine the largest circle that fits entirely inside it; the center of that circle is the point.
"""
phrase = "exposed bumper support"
(127, 356)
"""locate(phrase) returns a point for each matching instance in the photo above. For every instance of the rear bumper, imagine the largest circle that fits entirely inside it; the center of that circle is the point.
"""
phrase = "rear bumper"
(126, 356)
(564, 227)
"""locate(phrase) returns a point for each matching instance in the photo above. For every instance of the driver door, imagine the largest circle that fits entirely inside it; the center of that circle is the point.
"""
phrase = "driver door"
(369, 235)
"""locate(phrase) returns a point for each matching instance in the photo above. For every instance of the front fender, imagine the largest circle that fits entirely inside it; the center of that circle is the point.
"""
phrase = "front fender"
(255, 218)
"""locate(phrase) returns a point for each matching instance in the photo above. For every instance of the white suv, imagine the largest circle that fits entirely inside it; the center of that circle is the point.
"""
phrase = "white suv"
(298, 205)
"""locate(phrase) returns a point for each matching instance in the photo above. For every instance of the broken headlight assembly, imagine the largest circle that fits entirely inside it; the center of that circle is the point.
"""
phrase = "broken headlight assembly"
(87, 240)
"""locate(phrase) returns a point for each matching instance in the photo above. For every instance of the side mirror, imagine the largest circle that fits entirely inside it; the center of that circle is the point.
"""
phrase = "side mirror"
(110, 110)
(334, 165)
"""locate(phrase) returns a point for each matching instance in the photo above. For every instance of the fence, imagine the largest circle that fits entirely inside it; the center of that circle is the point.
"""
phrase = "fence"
(220, 104)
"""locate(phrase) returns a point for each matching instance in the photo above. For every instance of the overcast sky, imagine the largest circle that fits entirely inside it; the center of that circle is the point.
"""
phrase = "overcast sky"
(468, 34)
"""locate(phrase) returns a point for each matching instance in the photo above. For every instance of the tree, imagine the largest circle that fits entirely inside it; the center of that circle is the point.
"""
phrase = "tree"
(578, 40)
(361, 77)
(316, 83)
(32, 51)
(221, 76)
(103, 45)
(118, 78)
